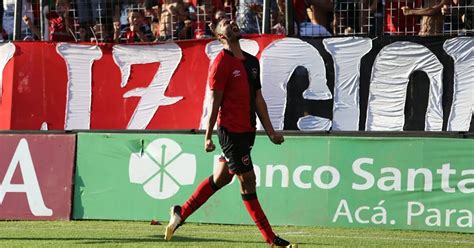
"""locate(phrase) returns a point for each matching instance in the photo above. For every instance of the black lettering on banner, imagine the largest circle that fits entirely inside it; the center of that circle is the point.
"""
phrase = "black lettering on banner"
(418, 88)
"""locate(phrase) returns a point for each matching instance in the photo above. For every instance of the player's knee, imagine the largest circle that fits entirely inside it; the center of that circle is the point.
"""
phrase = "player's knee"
(248, 180)
(228, 179)
(222, 181)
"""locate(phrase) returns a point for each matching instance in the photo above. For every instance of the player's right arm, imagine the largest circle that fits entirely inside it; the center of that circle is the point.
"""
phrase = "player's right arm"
(217, 78)
(215, 103)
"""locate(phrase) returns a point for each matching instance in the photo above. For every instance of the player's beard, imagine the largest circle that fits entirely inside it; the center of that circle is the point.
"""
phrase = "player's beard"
(234, 35)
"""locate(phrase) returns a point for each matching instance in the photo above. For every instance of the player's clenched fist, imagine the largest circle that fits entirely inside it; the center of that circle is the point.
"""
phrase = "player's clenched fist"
(277, 138)
(209, 145)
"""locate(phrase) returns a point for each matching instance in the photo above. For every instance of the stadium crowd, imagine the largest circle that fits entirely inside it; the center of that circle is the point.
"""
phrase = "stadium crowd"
(126, 21)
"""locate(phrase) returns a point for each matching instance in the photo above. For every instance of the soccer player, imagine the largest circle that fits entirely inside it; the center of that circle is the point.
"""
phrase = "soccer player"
(235, 99)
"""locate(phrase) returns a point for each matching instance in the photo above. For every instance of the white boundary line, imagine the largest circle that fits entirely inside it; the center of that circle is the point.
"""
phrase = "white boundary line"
(380, 238)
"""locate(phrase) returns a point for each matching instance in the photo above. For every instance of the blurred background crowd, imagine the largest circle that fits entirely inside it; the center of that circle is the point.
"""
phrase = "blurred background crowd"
(127, 21)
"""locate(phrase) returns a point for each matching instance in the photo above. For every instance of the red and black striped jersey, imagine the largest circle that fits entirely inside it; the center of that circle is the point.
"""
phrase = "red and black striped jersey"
(239, 79)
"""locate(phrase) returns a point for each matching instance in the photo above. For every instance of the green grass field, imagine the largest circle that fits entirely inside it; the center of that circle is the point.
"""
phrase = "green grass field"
(141, 234)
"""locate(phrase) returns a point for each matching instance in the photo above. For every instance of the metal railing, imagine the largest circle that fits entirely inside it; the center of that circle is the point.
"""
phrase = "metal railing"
(154, 20)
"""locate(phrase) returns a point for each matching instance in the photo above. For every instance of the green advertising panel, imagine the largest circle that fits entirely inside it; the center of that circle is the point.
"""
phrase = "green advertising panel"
(397, 183)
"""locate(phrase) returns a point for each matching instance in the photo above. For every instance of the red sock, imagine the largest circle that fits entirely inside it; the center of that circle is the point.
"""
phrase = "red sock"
(205, 190)
(258, 216)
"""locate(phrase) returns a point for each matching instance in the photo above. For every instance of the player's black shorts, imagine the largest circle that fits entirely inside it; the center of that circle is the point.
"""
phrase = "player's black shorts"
(236, 148)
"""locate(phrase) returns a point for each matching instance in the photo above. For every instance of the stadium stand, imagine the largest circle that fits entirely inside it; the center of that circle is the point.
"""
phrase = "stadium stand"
(108, 20)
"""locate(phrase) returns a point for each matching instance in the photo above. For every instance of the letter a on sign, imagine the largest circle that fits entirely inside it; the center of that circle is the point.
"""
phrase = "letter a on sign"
(30, 184)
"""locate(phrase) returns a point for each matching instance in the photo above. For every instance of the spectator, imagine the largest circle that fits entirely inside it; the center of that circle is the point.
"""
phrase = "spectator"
(356, 17)
(395, 22)
(104, 29)
(166, 26)
(29, 23)
(60, 23)
(371, 18)
(173, 15)
(300, 11)
(468, 17)
(123, 8)
(152, 10)
(183, 24)
(102, 32)
(187, 31)
(458, 23)
(136, 31)
(229, 8)
(9, 15)
(1, 21)
(155, 29)
(249, 16)
(431, 16)
(278, 18)
(3, 33)
(89, 11)
(318, 13)
(346, 17)
(204, 16)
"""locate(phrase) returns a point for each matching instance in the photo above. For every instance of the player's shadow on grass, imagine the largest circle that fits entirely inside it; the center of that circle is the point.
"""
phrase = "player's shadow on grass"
(194, 239)
(178, 239)
(151, 239)
(97, 240)
(154, 239)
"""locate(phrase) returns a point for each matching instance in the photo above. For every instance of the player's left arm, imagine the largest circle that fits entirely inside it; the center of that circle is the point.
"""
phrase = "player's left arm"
(262, 112)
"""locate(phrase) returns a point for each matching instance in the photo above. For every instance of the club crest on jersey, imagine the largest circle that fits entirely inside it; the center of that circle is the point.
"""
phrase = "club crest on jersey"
(246, 160)
(236, 73)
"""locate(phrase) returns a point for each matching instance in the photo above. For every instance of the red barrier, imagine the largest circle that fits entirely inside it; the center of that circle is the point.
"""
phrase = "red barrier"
(36, 176)
(162, 86)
